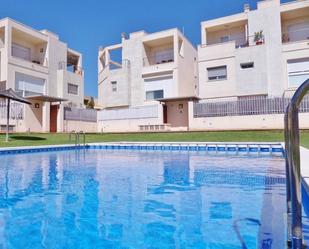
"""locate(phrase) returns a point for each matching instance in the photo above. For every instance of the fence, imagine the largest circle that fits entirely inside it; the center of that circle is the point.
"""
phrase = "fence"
(255, 105)
(16, 110)
(78, 114)
(139, 112)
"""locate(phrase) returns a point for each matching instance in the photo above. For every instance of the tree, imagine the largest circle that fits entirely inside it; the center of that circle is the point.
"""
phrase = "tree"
(90, 104)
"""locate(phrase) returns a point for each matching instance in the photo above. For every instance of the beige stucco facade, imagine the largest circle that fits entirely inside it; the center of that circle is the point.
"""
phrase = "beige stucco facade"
(36, 64)
(273, 66)
(233, 62)
(229, 42)
(148, 67)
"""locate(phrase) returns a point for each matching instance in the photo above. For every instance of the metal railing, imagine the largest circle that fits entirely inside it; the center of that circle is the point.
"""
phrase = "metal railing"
(161, 58)
(77, 137)
(240, 41)
(16, 110)
(254, 105)
(79, 114)
(62, 65)
(293, 172)
(33, 59)
(295, 35)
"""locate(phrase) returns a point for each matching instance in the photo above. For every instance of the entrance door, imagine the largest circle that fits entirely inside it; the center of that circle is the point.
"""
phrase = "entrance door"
(53, 118)
(164, 114)
(177, 113)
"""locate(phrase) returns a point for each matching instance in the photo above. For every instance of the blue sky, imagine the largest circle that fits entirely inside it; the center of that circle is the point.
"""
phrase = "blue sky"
(86, 25)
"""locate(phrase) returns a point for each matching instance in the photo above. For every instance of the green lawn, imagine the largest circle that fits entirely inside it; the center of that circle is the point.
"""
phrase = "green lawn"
(224, 136)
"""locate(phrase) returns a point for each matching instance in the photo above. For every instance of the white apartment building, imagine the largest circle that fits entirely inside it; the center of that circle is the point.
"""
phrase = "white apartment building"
(248, 63)
(40, 67)
(234, 61)
(145, 82)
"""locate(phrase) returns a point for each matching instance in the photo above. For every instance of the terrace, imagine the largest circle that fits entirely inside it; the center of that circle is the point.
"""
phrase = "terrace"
(235, 31)
(159, 51)
(295, 25)
(72, 63)
(29, 48)
(2, 37)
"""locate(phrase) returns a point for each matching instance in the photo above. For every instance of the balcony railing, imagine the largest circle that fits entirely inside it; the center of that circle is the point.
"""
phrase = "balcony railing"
(157, 59)
(240, 42)
(74, 69)
(34, 59)
(295, 35)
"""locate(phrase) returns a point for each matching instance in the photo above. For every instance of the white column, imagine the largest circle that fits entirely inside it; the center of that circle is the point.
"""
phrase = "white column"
(46, 117)
(60, 118)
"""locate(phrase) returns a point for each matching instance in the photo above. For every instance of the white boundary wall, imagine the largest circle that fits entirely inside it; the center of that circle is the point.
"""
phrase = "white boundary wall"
(128, 119)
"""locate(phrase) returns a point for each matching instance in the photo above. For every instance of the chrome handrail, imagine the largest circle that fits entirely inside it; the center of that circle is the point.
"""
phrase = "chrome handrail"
(70, 136)
(292, 157)
(84, 136)
(288, 173)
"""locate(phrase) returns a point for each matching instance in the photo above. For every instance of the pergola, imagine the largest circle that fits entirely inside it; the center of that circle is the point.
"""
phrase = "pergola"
(10, 94)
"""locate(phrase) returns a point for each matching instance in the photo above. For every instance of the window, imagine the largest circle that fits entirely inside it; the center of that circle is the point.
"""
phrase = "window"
(72, 89)
(246, 65)
(217, 73)
(157, 94)
(114, 86)
(298, 71)
(27, 85)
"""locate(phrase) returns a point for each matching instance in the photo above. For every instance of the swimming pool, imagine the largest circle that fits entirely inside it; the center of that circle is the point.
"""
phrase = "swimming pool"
(142, 198)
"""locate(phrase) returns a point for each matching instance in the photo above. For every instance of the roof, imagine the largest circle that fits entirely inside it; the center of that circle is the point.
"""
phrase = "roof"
(11, 94)
(46, 98)
(188, 98)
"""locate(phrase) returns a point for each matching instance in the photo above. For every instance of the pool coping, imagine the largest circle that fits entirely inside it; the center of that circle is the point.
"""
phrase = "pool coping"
(270, 147)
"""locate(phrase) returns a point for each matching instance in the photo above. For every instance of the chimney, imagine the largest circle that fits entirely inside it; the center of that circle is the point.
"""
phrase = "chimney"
(123, 36)
(246, 7)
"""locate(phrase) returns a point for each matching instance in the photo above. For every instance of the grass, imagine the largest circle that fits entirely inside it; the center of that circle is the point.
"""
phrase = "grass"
(220, 136)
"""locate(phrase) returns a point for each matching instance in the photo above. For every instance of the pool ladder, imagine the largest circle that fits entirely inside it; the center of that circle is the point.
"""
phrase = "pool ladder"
(77, 137)
(292, 167)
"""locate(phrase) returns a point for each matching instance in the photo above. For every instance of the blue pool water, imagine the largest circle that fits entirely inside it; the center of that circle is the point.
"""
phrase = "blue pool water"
(141, 199)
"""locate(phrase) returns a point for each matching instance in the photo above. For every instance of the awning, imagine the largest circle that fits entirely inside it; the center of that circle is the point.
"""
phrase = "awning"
(185, 98)
(46, 98)
(10, 94)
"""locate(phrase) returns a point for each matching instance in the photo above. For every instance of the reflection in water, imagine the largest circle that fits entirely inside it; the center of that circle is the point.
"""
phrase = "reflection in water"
(150, 199)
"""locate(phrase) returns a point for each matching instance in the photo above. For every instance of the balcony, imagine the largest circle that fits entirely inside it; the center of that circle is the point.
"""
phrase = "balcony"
(296, 35)
(295, 25)
(2, 36)
(159, 54)
(29, 51)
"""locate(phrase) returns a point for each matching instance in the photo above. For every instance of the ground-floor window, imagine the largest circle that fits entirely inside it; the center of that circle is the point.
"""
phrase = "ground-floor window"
(298, 71)
(157, 94)
(27, 85)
